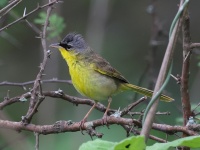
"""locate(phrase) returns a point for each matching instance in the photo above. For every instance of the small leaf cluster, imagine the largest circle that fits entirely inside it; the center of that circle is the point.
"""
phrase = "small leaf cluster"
(56, 26)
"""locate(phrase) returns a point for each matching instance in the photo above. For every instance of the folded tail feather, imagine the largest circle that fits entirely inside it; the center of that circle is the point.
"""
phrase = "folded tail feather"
(145, 92)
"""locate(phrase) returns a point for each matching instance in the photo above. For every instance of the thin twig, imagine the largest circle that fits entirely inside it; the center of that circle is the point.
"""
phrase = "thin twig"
(41, 97)
(33, 27)
(55, 94)
(10, 5)
(74, 100)
(132, 105)
(194, 45)
(141, 113)
(28, 14)
(33, 101)
(177, 78)
(36, 141)
(196, 107)
(22, 84)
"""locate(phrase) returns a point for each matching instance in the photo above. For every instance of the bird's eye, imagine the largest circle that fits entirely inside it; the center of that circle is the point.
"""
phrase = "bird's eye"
(68, 46)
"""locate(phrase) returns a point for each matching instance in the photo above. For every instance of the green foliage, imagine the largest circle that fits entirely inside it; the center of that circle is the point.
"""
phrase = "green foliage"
(57, 24)
(131, 143)
(192, 142)
(3, 2)
(97, 145)
(137, 143)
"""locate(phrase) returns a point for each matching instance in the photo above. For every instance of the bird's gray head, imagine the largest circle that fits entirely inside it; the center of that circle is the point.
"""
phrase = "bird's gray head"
(73, 41)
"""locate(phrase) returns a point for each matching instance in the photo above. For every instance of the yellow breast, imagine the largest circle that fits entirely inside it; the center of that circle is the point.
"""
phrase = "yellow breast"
(86, 80)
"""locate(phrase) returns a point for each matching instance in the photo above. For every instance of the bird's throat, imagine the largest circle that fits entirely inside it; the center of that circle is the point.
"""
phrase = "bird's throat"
(69, 56)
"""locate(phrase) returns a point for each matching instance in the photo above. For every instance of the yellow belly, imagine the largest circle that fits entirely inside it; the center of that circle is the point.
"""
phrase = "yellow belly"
(90, 83)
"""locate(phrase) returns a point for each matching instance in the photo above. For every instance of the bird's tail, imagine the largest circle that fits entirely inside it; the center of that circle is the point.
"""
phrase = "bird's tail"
(145, 92)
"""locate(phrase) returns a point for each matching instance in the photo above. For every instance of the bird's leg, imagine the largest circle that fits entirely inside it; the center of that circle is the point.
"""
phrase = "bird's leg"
(85, 118)
(105, 114)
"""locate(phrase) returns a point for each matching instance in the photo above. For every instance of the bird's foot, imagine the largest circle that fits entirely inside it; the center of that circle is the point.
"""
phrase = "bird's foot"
(82, 122)
(104, 120)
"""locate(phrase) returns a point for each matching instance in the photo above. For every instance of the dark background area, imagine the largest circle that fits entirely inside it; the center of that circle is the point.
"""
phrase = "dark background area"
(118, 30)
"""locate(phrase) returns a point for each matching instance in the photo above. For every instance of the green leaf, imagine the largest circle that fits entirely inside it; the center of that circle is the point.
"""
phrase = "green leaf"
(192, 142)
(132, 143)
(41, 19)
(97, 145)
(56, 26)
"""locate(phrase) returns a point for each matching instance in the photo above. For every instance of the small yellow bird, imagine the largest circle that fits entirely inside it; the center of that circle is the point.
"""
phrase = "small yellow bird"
(93, 76)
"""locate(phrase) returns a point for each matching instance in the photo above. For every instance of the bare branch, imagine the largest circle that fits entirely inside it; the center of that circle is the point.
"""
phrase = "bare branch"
(76, 101)
(34, 103)
(130, 106)
(33, 27)
(22, 84)
(141, 113)
(10, 6)
(186, 106)
(69, 126)
(55, 94)
(194, 45)
(10, 101)
(28, 14)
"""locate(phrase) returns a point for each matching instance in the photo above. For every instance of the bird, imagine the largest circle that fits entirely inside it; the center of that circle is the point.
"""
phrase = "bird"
(93, 76)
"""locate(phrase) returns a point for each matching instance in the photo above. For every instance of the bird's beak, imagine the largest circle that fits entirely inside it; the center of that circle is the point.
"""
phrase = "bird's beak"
(55, 45)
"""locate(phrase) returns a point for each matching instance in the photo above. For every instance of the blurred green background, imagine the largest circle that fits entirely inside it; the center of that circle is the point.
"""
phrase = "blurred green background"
(121, 31)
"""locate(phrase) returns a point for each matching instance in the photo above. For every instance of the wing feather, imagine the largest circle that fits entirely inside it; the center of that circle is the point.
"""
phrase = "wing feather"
(102, 66)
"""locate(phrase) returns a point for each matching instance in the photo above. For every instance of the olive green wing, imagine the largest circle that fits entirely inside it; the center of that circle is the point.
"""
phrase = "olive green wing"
(102, 66)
